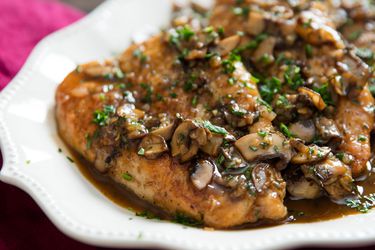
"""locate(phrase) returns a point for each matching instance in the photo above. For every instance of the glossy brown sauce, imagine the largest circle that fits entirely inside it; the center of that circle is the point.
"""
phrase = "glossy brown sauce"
(300, 211)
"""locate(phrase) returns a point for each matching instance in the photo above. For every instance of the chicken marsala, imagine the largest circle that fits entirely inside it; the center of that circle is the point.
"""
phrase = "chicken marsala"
(222, 114)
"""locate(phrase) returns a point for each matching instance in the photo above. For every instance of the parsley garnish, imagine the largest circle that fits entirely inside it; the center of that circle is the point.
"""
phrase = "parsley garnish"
(285, 130)
(270, 88)
(362, 138)
(293, 77)
(228, 64)
(141, 151)
(262, 133)
(148, 97)
(213, 128)
(362, 204)
(101, 117)
(127, 176)
(140, 55)
(324, 93)
(186, 221)
(309, 50)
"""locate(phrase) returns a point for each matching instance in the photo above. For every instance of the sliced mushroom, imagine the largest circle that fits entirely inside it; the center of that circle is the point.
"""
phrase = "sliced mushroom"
(308, 154)
(304, 130)
(213, 144)
(135, 130)
(129, 111)
(314, 29)
(182, 145)
(202, 174)
(315, 97)
(327, 131)
(226, 45)
(264, 176)
(165, 131)
(256, 23)
(299, 187)
(196, 54)
(332, 175)
(256, 147)
(153, 146)
(265, 50)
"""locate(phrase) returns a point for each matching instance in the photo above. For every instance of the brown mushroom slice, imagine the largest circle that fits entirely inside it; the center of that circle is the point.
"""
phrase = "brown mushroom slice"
(182, 145)
(164, 131)
(256, 147)
(202, 174)
(327, 131)
(129, 111)
(308, 154)
(332, 175)
(315, 97)
(303, 188)
(226, 45)
(265, 49)
(256, 23)
(213, 144)
(314, 29)
(265, 176)
(135, 129)
(153, 146)
(199, 135)
(304, 130)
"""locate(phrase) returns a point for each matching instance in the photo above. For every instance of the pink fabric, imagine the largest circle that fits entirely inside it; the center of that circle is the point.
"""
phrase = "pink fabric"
(22, 24)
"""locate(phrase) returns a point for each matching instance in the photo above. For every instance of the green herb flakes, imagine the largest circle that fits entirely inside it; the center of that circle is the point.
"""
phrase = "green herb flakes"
(126, 176)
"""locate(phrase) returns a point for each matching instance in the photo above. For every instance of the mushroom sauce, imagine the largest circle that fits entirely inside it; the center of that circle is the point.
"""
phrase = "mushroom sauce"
(263, 109)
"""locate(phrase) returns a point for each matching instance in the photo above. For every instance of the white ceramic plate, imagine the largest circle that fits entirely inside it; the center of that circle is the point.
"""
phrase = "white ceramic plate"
(30, 145)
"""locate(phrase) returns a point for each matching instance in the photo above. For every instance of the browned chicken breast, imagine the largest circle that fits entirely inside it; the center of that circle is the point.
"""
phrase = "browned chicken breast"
(152, 100)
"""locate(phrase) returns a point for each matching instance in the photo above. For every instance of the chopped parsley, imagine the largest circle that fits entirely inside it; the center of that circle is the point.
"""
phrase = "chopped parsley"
(324, 93)
(70, 159)
(282, 101)
(213, 128)
(364, 53)
(354, 35)
(182, 34)
(101, 117)
(228, 64)
(140, 55)
(270, 88)
(340, 156)
(308, 50)
(262, 133)
(148, 97)
(186, 221)
(141, 151)
(241, 11)
(238, 111)
(285, 130)
(194, 101)
(126, 176)
(362, 204)
(173, 95)
(253, 148)
(362, 138)
(253, 44)
(293, 77)
(147, 214)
